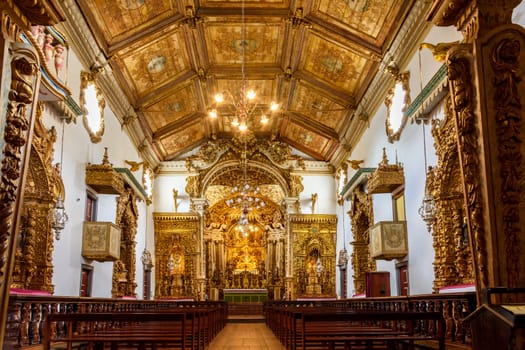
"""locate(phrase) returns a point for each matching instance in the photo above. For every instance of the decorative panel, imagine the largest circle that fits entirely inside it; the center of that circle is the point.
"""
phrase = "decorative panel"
(314, 255)
(388, 240)
(100, 241)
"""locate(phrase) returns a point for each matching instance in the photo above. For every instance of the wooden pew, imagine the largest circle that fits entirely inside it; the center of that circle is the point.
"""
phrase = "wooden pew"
(365, 329)
(129, 329)
(328, 327)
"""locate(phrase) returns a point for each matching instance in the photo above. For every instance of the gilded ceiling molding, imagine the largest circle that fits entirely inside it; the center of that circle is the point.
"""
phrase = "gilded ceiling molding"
(400, 51)
(44, 12)
(431, 95)
(92, 57)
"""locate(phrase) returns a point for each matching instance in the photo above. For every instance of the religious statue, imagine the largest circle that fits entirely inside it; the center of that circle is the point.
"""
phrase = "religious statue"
(175, 200)
(314, 202)
(313, 271)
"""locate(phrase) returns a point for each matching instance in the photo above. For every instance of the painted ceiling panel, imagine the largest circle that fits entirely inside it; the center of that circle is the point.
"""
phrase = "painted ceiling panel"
(313, 57)
(171, 108)
(369, 19)
(262, 44)
(152, 63)
(334, 64)
(120, 19)
(181, 140)
(311, 103)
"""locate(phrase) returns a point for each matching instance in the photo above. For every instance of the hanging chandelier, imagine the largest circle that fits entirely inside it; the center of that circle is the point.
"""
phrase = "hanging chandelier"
(242, 106)
(245, 198)
(427, 211)
(59, 215)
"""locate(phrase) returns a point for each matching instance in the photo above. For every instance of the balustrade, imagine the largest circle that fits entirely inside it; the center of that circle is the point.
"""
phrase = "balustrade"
(27, 313)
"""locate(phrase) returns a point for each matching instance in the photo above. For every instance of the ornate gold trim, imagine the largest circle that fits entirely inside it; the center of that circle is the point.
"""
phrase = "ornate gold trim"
(103, 178)
(461, 89)
(87, 80)
(403, 79)
(386, 178)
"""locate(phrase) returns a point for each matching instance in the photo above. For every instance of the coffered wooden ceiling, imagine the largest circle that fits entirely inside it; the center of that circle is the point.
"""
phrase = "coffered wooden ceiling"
(314, 57)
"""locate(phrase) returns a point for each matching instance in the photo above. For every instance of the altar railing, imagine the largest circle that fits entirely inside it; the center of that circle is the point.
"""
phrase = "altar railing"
(26, 314)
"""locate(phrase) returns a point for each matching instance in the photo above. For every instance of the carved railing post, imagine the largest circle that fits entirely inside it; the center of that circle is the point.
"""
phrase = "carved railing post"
(17, 131)
(487, 94)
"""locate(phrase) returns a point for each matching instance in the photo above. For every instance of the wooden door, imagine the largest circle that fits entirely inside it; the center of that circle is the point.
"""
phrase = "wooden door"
(403, 280)
(85, 281)
(378, 284)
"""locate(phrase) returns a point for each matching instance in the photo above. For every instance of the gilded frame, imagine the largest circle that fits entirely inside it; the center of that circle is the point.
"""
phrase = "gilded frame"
(86, 80)
(403, 80)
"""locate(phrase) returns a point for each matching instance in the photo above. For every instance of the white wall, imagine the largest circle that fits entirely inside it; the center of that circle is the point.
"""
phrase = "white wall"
(409, 151)
(78, 151)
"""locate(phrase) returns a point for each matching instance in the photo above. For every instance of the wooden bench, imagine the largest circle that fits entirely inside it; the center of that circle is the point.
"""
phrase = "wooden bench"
(365, 329)
(325, 327)
(130, 329)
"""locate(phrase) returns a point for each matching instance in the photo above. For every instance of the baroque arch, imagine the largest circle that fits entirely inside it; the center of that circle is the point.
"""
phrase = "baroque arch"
(453, 257)
(34, 248)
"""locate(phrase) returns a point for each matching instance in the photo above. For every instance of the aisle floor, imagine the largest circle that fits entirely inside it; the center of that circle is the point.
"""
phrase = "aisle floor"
(246, 336)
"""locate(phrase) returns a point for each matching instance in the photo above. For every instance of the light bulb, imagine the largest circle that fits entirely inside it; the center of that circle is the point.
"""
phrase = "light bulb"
(243, 126)
(250, 95)
(213, 113)
(264, 119)
(219, 98)
(274, 106)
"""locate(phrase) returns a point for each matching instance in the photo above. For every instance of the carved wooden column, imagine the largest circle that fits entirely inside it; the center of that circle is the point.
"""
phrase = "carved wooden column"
(361, 217)
(487, 89)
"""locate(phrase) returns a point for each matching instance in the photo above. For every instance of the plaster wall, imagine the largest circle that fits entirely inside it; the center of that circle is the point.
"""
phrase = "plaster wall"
(78, 152)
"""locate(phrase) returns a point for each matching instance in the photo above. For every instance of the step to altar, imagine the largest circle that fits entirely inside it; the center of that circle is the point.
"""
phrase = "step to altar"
(246, 319)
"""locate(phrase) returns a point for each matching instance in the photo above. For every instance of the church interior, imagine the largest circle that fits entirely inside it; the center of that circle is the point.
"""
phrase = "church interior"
(264, 154)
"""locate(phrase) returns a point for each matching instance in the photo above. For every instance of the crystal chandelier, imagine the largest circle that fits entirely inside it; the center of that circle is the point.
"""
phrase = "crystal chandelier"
(242, 106)
(245, 198)
(59, 215)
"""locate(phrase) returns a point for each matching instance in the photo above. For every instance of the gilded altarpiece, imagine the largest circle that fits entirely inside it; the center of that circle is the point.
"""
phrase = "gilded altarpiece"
(176, 250)
(361, 218)
(453, 263)
(313, 239)
(33, 264)
(124, 283)
(251, 257)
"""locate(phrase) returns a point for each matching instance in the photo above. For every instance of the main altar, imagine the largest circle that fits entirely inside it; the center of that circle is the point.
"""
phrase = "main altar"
(245, 238)
(245, 295)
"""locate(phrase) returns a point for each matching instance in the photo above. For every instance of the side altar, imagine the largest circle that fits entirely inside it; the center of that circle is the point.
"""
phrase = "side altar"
(238, 295)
